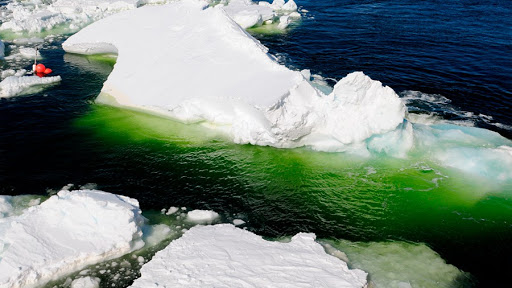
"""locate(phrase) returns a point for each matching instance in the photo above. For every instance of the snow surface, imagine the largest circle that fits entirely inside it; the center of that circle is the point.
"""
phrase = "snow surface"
(17, 85)
(205, 68)
(226, 256)
(64, 234)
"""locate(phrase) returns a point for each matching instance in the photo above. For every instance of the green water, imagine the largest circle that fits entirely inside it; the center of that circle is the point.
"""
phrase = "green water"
(280, 192)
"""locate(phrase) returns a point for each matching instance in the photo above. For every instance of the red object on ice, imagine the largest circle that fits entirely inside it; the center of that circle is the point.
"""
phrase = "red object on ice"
(47, 71)
(40, 74)
(40, 68)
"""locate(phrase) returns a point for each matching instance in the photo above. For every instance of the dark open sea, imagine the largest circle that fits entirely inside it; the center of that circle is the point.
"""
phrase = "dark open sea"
(458, 51)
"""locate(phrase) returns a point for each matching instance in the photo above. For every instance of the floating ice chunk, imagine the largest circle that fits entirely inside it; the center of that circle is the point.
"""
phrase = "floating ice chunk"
(202, 216)
(66, 233)
(290, 6)
(86, 282)
(156, 234)
(225, 256)
(16, 85)
(247, 14)
(7, 73)
(172, 210)
(30, 53)
(284, 21)
(238, 222)
(231, 66)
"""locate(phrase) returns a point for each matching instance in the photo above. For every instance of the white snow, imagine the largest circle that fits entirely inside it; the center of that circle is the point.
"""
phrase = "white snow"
(18, 85)
(204, 67)
(202, 216)
(86, 282)
(226, 256)
(64, 234)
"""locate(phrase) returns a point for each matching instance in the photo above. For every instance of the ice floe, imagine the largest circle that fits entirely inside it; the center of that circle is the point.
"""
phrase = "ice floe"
(18, 85)
(226, 256)
(64, 234)
(205, 68)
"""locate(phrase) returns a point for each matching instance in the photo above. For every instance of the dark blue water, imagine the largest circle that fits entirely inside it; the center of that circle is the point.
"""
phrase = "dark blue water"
(459, 49)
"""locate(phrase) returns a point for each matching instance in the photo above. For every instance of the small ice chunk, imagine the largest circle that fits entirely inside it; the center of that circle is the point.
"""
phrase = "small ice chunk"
(290, 6)
(86, 282)
(156, 234)
(202, 216)
(284, 21)
(172, 210)
(238, 222)
(30, 53)
(7, 73)
(16, 85)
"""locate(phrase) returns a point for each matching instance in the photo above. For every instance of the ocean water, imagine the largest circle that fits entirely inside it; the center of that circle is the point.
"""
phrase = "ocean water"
(449, 58)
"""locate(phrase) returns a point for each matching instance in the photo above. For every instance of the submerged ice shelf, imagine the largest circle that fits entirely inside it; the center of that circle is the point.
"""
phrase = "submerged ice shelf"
(199, 73)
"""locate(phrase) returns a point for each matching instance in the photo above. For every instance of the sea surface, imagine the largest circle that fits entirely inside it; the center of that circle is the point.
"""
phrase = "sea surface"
(451, 59)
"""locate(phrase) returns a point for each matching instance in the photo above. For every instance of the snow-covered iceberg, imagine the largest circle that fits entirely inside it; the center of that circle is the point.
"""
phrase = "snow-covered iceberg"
(64, 234)
(203, 67)
(18, 85)
(226, 256)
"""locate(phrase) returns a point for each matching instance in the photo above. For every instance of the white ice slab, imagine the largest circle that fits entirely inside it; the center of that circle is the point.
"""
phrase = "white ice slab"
(226, 256)
(65, 233)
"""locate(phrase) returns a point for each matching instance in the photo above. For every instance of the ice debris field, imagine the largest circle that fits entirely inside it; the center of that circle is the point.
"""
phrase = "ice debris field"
(74, 229)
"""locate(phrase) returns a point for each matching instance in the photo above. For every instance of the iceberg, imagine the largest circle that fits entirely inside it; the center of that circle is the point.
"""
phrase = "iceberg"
(225, 256)
(65, 233)
(18, 85)
(205, 68)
